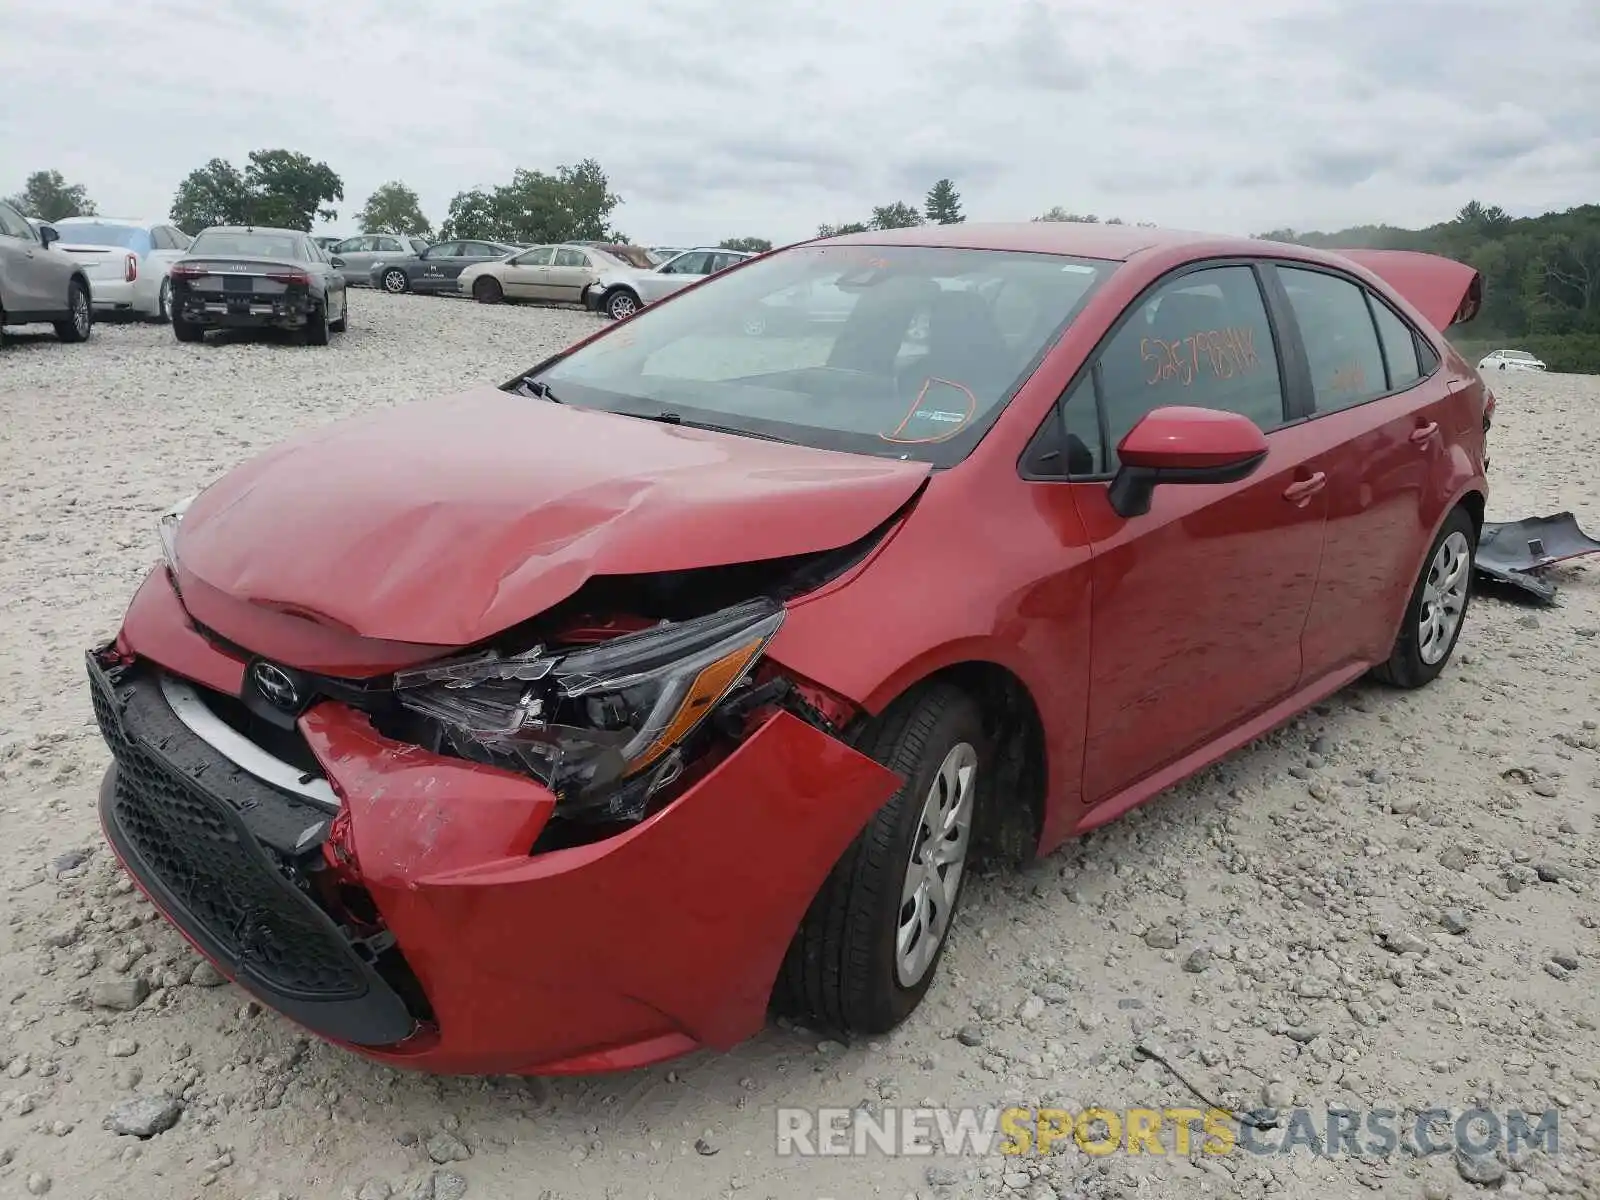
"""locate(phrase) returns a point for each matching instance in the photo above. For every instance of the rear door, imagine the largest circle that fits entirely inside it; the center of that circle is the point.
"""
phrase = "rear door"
(358, 256)
(527, 276)
(1386, 405)
(570, 273)
(1198, 605)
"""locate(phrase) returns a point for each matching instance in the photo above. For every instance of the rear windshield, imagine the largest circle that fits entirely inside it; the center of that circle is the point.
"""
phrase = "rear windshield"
(898, 351)
(125, 237)
(250, 245)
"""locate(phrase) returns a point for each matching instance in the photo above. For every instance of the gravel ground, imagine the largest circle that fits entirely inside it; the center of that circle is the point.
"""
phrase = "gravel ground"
(1390, 903)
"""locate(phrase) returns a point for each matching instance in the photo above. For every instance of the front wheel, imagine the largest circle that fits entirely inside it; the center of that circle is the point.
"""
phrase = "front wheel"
(621, 304)
(869, 945)
(395, 281)
(486, 289)
(1437, 610)
(80, 315)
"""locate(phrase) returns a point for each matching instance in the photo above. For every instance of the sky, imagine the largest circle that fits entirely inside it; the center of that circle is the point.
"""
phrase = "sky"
(766, 118)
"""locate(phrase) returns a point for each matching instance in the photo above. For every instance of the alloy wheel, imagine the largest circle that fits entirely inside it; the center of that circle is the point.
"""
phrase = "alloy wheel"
(938, 857)
(621, 306)
(1444, 597)
(164, 302)
(80, 312)
(394, 282)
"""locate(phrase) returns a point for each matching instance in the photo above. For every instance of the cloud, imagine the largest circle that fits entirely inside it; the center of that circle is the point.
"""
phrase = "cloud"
(767, 118)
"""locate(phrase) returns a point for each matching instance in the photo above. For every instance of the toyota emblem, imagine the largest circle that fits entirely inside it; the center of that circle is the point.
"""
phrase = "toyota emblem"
(276, 685)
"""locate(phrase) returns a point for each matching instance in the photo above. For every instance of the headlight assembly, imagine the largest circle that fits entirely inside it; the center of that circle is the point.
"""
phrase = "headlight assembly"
(602, 725)
(167, 528)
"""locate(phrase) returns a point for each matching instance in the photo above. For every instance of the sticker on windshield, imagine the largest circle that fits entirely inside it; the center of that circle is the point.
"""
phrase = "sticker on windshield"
(935, 418)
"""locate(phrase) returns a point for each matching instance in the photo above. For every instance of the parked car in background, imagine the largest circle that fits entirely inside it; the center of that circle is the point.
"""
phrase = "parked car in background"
(38, 283)
(561, 273)
(1510, 360)
(557, 727)
(251, 277)
(362, 252)
(126, 261)
(326, 240)
(436, 268)
(620, 298)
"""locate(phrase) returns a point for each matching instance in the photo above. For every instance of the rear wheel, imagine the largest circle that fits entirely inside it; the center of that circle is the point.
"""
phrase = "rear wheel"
(164, 302)
(317, 326)
(395, 281)
(1437, 610)
(80, 316)
(486, 289)
(187, 331)
(343, 322)
(869, 945)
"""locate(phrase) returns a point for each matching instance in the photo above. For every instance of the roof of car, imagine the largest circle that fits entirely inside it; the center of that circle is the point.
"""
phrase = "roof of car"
(137, 222)
(253, 229)
(1084, 239)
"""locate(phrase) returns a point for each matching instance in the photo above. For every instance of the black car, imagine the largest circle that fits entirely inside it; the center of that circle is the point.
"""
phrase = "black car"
(436, 268)
(243, 277)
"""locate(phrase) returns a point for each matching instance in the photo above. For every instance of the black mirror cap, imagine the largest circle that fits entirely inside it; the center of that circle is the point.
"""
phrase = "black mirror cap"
(48, 234)
(337, 261)
(1132, 487)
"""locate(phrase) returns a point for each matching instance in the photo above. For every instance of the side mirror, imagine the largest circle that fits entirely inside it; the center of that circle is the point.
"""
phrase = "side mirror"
(337, 261)
(1183, 445)
(48, 234)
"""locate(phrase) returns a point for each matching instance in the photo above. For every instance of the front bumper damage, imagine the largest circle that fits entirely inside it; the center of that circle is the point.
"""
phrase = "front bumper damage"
(415, 925)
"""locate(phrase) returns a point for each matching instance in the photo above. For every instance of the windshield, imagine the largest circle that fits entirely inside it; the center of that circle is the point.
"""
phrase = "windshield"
(249, 245)
(901, 351)
(127, 237)
(1518, 355)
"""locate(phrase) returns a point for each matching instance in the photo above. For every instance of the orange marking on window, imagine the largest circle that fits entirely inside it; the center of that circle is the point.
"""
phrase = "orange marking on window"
(1225, 352)
(916, 407)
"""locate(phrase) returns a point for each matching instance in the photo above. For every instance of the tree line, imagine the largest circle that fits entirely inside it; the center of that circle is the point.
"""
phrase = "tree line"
(1541, 276)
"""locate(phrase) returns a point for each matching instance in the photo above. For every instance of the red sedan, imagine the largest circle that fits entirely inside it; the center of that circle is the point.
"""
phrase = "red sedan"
(568, 725)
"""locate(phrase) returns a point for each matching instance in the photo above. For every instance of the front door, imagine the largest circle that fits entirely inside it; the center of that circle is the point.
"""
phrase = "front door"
(24, 269)
(1197, 605)
(437, 267)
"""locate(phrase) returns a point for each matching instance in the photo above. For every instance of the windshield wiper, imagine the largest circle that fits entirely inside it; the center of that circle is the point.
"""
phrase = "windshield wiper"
(673, 418)
(527, 386)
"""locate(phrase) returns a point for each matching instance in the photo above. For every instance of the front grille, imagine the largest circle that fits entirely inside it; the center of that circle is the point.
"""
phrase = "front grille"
(219, 852)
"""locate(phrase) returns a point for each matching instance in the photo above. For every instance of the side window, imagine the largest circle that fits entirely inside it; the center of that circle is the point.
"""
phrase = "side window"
(389, 245)
(570, 258)
(1399, 346)
(180, 239)
(1202, 340)
(1340, 338)
(539, 256)
(1086, 450)
(12, 224)
(160, 239)
(478, 250)
(687, 264)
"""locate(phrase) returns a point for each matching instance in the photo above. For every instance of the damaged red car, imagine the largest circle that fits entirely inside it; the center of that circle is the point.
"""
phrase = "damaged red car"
(573, 723)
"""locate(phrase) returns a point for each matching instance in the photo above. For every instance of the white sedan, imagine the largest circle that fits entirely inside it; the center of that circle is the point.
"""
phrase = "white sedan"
(126, 261)
(1510, 360)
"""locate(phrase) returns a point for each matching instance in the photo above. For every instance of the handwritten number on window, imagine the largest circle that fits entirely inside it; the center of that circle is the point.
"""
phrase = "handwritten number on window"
(1224, 353)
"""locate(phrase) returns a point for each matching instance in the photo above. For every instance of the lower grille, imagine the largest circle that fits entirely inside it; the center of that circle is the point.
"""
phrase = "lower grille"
(181, 817)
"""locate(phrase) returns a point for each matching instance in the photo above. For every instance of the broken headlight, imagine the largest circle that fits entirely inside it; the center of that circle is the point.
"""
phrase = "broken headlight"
(601, 725)
(167, 529)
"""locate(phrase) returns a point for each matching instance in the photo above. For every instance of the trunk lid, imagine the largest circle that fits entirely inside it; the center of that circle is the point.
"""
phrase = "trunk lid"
(448, 521)
(1443, 290)
(99, 262)
(237, 274)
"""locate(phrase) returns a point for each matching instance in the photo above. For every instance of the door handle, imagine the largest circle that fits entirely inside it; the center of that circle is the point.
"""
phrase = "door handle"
(1300, 492)
(1422, 433)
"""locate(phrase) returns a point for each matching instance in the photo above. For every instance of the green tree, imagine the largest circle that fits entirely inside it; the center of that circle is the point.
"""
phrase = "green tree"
(754, 245)
(394, 208)
(1060, 214)
(471, 215)
(943, 204)
(214, 194)
(47, 196)
(828, 231)
(898, 215)
(289, 191)
(280, 188)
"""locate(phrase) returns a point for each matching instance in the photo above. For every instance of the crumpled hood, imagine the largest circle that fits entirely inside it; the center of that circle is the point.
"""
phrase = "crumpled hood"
(445, 522)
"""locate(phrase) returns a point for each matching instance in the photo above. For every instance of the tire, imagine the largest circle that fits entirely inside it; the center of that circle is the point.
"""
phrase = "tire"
(343, 323)
(187, 331)
(1417, 659)
(80, 321)
(621, 304)
(317, 326)
(395, 282)
(842, 969)
(163, 313)
(486, 289)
